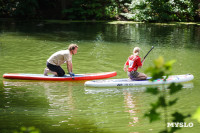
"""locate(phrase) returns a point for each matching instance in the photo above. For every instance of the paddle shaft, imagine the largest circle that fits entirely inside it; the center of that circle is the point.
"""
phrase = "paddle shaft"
(148, 53)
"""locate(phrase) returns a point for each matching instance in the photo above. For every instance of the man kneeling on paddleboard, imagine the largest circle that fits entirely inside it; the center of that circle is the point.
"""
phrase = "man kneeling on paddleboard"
(57, 59)
(133, 62)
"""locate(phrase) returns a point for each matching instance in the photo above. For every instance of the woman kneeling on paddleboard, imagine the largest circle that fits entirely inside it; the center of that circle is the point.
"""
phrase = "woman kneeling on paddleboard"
(57, 59)
(133, 62)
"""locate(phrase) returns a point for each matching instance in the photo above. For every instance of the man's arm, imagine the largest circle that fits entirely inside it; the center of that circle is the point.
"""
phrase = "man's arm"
(69, 66)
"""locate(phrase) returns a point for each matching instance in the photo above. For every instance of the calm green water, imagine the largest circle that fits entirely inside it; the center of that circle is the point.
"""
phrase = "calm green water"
(65, 107)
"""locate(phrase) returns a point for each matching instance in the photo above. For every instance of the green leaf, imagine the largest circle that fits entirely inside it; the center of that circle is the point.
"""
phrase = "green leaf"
(155, 105)
(172, 102)
(149, 69)
(161, 101)
(196, 115)
(174, 88)
(152, 90)
(159, 62)
(178, 117)
(153, 115)
(174, 129)
(23, 129)
(157, 75)
(168, 65)
(163, 131)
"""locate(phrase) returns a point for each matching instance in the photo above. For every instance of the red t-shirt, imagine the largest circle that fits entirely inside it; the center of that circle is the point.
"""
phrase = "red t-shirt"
(133, 63)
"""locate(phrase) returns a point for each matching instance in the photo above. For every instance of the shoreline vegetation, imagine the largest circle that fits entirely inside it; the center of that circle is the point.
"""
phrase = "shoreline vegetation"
(163, 11)
(99, 21)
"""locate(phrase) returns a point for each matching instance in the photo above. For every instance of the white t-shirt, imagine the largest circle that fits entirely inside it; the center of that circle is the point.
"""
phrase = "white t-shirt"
(60, 57)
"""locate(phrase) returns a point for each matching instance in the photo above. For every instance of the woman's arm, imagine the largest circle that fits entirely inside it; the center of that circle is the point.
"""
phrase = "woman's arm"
(125, 67)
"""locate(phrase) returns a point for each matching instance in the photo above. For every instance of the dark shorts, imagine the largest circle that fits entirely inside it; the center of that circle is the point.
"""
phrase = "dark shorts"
(57, 69)
(133, 74)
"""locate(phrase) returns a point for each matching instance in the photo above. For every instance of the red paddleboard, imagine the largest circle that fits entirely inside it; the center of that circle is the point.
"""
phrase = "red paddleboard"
(87, 76)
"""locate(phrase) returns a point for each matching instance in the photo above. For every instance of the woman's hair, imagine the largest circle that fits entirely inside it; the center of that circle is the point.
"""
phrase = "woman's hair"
(136, 51)
(72, 47)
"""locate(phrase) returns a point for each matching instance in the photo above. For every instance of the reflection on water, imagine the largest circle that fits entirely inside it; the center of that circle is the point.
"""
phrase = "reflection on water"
(58, 96)
(112, 90)
(58, 102)
(66, 106)
(71, 107)
(131, 103)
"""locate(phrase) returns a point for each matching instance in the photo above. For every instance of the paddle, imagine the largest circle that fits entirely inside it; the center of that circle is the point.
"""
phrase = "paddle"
(148, 53)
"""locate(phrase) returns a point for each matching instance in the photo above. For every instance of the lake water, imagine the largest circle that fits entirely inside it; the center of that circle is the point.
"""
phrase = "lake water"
(66, 107)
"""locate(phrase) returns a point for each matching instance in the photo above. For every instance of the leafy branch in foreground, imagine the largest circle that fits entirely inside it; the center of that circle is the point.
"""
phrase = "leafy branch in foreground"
(162, 70)
(196, 115)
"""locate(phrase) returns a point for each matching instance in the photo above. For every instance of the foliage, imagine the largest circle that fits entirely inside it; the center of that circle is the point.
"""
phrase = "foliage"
(162, 10)
(137, 10)
(95, 9)
(26, 8)
(196, 115)
(6, 8)
(28, 130)
(83, 9)
(159, 70)
(18, 8)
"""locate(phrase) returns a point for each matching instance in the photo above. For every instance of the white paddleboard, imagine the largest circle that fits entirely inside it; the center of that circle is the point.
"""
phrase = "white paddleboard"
(129, 82)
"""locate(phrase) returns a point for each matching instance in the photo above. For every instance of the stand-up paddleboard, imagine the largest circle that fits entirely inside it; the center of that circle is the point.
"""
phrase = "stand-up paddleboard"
(129, 82)
(87, 76)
